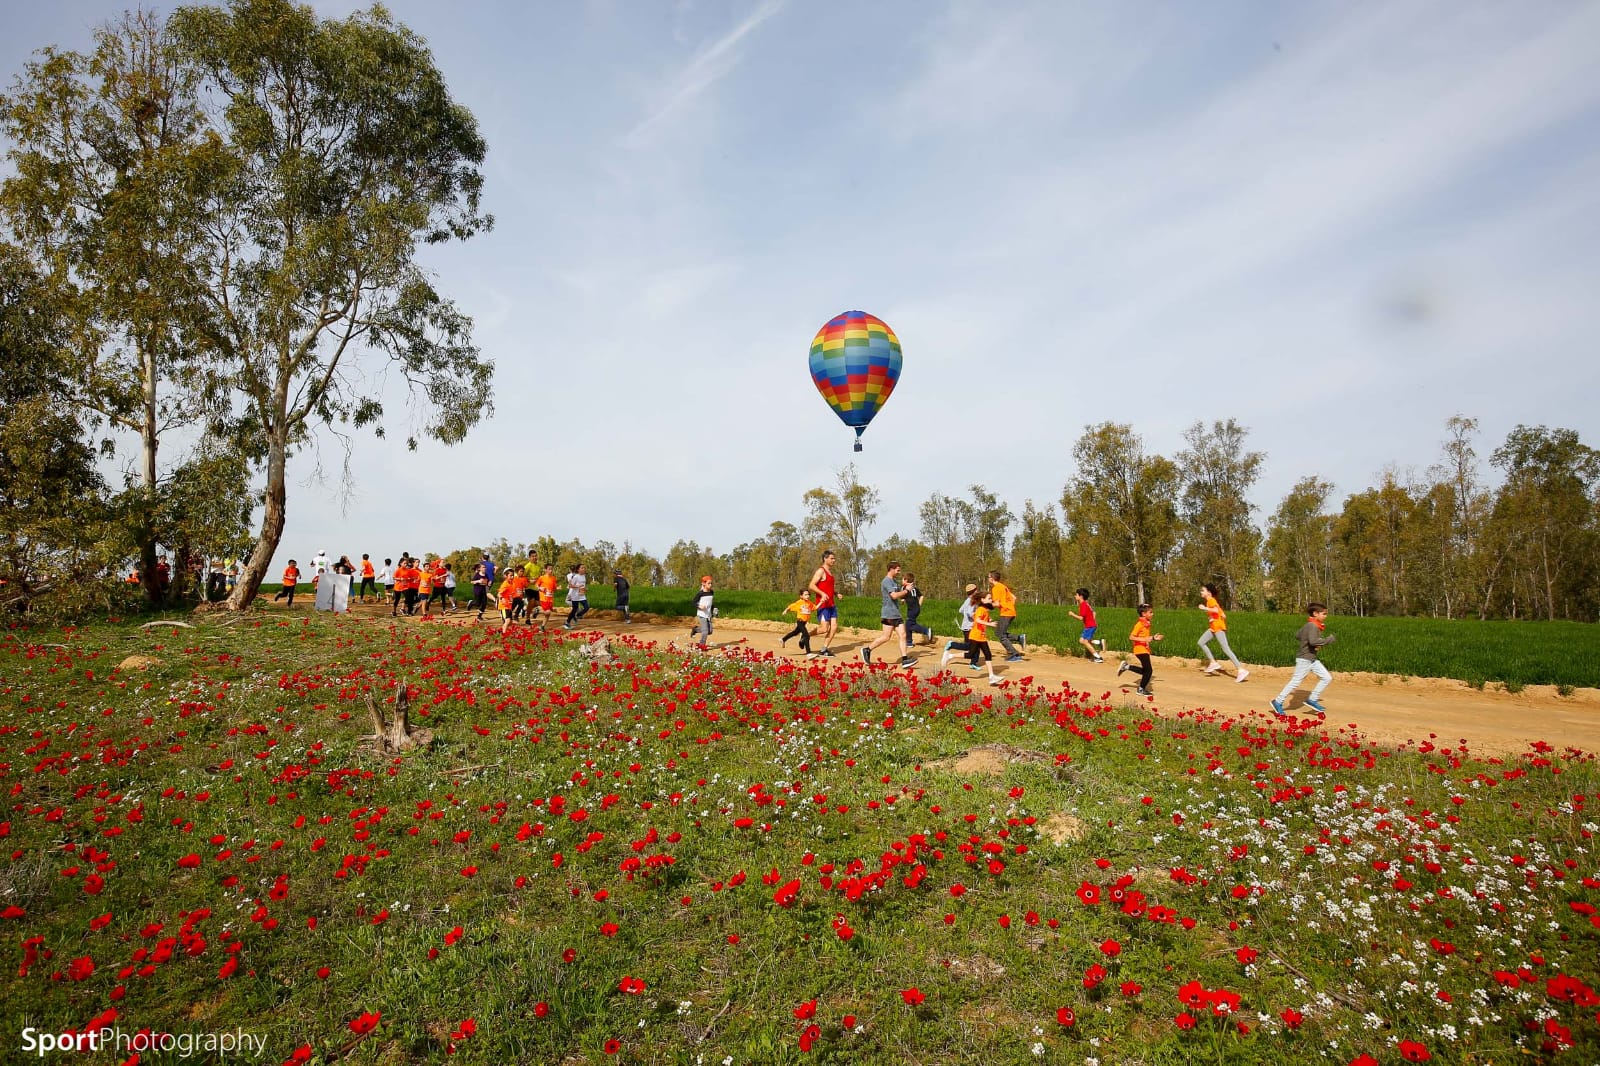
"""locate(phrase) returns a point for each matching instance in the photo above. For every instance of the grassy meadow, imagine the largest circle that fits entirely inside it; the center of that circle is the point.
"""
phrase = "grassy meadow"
(683, 857)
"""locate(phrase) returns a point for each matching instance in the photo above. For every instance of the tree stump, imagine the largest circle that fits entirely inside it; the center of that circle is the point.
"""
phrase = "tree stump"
(395, 736)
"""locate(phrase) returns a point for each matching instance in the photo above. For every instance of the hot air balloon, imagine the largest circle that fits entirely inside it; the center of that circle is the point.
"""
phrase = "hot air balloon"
(855, 362)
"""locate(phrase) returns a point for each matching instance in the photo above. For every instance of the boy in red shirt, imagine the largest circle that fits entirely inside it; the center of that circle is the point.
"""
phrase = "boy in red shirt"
(1085, 614)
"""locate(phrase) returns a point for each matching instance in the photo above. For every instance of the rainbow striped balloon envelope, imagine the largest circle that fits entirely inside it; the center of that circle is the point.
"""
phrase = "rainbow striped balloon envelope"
(855, 362)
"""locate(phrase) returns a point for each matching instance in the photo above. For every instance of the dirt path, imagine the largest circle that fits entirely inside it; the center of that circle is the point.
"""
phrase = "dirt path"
(1382, 707)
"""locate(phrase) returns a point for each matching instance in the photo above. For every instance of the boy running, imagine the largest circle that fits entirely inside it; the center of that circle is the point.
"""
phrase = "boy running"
(547, 594)
(1006, 602)
(1217, 630)
(530, 589)
(801, 609)
(291, 578)
(1313, 637)
(703, 602)
(1141, 638)
(911, 607)
(369, 578)
(889, 614)
(1085, 614)
(622, 588)
(510, 596)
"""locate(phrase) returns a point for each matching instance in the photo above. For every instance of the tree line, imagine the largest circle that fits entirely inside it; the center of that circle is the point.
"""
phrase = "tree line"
(1139, 527)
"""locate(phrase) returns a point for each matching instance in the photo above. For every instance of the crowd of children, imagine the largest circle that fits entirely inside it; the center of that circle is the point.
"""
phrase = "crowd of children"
(526, 594)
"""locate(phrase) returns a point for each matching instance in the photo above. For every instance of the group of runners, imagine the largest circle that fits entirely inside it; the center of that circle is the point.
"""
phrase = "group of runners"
(527, 592)
(992, 608)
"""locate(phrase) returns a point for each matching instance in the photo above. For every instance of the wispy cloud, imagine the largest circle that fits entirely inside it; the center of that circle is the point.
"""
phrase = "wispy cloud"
(709, 66)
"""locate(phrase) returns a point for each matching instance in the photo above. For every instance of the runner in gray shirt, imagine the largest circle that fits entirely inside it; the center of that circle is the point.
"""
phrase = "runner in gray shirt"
(889, 616)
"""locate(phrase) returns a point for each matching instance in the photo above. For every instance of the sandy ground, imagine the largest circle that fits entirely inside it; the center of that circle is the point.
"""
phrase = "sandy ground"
(1383, 708)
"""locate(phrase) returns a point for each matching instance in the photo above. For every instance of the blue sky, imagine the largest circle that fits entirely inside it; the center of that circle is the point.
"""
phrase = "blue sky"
(1337, 223)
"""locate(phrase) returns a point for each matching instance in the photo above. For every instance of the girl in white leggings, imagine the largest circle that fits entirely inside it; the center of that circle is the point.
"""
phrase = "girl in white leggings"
(1217, 631)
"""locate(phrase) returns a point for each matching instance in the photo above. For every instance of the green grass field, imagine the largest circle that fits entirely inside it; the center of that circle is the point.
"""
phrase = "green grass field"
(691, 858)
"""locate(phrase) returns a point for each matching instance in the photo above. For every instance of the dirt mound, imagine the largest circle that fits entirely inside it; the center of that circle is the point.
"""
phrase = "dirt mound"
(989, 759)
(1064, 828)
(138, 662)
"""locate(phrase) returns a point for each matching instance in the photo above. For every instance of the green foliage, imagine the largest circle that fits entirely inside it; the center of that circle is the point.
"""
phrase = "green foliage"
(57, 532)
(1124, 504)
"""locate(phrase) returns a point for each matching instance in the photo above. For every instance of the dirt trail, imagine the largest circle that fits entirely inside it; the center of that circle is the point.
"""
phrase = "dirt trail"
(1385, 708)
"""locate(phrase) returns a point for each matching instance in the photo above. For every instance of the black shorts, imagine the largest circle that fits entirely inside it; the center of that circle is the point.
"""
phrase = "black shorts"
(892, 623)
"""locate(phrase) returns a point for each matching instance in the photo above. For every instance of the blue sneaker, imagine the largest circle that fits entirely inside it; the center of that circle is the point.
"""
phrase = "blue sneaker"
(1317, 706)
(1277, 708)
(1013, 658)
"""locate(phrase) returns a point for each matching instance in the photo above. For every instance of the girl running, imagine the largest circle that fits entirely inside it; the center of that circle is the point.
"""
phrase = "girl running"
(1217, 630)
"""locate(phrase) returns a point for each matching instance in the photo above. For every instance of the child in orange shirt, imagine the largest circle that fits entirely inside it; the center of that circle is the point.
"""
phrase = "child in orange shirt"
(1217, 630)
(291, 578)
(510, 593)
(801, 609)
(1141, 637)
(546, 585)
(425, 580)
(976, 644)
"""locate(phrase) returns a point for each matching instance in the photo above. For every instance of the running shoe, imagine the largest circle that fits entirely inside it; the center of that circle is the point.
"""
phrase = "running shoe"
(908, 660)
(1243, 673)
(1014, 658)
(1277, 708)
(1141, 690)
(866, 656)
(1316, 705)
(1122, 668)
(994, 680)
(1098, 659)
(1213, 668)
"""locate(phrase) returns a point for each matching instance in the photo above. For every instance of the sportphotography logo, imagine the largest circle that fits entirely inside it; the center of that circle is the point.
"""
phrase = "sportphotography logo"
(142, 1042)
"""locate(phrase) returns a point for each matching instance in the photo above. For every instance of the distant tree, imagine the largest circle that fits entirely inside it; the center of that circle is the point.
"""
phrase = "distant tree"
(687, 561)
(1220, 541)
(1036, 555)
(842, 516)
(1300, 546)
(986, 521)
(1548, 505)
(944, 518)
(1123, 502)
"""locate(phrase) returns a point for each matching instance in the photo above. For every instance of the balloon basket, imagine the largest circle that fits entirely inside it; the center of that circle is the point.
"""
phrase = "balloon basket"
(858, 446)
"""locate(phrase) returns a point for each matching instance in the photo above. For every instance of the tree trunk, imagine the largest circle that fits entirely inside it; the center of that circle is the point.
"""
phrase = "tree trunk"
(153, 592)
(272, 519)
